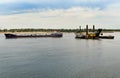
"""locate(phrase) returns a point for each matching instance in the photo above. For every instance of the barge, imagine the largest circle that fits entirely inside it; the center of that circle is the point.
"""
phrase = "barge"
(55, 34)
(106, 37)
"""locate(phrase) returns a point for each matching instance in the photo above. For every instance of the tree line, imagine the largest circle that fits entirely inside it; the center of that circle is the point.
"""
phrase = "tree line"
(51, 30)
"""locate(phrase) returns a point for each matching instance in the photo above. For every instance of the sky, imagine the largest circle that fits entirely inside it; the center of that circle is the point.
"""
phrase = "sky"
(59, 14)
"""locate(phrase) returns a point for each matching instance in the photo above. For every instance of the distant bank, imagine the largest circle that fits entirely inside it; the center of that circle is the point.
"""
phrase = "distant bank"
(51, 30)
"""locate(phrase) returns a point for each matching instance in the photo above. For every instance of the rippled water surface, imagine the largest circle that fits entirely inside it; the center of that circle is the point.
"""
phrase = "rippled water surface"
(65, 57)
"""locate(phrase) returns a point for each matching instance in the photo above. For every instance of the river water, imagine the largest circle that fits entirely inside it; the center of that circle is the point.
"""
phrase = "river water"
(65, 57)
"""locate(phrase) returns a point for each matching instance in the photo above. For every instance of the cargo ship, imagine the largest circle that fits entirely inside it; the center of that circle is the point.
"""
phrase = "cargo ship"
(54, 34)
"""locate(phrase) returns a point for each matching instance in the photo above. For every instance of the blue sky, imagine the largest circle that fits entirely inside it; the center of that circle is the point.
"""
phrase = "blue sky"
(9, 6)
(59, 13)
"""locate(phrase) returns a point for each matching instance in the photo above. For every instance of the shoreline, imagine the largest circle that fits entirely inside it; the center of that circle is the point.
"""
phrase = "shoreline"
(47, 32)
(40, 32)
(26, 32)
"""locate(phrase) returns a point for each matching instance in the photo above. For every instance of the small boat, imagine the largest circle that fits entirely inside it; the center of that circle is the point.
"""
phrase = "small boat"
(55, 34)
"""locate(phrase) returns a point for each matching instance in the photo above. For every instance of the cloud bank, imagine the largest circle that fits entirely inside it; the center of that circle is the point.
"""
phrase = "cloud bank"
(15, 6)
(59, 13)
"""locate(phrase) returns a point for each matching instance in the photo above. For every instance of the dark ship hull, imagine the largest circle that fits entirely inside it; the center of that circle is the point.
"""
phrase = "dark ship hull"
(33, 35)
(100, 37)
(106, 37)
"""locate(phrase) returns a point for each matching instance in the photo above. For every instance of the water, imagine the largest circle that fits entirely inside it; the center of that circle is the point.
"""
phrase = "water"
(65, 57)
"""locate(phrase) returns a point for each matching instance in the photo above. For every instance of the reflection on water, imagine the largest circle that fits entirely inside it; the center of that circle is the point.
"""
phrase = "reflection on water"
(65, 57)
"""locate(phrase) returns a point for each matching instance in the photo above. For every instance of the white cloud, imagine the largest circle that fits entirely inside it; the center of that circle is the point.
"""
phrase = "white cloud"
(50, 1)
(64, 18)
(7, 1)
(29, 1)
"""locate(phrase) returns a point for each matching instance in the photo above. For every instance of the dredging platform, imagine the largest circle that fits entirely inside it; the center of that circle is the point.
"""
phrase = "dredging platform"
(92, 35)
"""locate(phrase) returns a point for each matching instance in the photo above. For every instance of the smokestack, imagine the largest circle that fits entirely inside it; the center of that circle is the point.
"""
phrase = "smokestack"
(86, 29)
(93, 28)
(80, 28)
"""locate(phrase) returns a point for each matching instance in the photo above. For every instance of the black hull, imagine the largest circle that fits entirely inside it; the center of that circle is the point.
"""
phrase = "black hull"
(86, 38)
(31, 36)
(100, 37)
(106, 37)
